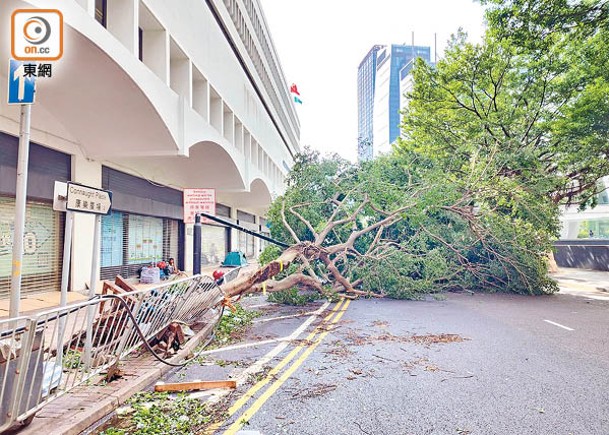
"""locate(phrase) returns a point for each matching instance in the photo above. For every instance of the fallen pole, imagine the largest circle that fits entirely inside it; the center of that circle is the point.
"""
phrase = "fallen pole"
(245, 230)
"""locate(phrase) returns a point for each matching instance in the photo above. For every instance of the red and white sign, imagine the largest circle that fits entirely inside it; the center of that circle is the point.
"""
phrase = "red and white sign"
(196, 201)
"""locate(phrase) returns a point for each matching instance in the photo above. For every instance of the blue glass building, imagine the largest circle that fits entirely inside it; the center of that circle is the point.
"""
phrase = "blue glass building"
(389, 61)
(401, 55)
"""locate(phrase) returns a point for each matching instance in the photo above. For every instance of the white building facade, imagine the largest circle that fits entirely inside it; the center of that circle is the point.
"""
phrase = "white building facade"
(592, 223)
(380, 117)
(150, 97)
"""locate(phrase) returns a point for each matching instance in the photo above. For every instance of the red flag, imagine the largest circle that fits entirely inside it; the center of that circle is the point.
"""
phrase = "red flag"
(294, 89)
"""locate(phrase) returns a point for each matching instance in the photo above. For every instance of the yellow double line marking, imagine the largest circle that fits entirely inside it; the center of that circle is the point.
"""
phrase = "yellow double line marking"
(234, 428)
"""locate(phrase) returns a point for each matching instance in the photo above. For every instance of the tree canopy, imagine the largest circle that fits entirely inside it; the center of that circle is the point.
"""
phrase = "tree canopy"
(495, 137)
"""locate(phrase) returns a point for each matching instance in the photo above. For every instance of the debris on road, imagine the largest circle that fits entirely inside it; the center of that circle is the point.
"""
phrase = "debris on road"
(428, 339)
(315, 391)
(435, 339)
(194, 385)
(457, 377)
(380, 323)
(382, 357)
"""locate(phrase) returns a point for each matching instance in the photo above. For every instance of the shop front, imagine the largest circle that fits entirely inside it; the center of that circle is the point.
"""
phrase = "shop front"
(145, 225)
(247, 242)
(44, 227)
(215, 239)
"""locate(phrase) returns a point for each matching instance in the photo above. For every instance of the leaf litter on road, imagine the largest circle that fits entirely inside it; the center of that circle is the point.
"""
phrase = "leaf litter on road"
(316, 390)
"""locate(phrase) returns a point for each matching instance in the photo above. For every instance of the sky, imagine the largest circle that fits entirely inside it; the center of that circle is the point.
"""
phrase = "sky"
(321, 43)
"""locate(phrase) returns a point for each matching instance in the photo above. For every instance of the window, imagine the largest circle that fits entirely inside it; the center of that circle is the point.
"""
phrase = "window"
(101, 11)
(140, 43)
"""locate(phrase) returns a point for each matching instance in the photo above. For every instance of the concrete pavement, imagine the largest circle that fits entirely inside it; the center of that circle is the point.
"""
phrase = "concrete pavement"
(593, 284)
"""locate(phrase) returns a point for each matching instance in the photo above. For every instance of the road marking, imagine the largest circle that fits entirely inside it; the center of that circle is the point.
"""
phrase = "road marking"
(289, 316)
(257, 366)
(559, 325)
(245, 345)
(249, 413)
(290, 337)
(270, 376)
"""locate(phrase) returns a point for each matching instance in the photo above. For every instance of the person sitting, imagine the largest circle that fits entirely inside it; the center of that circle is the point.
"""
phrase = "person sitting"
(218, 276)
(172, 268)
(162, 265)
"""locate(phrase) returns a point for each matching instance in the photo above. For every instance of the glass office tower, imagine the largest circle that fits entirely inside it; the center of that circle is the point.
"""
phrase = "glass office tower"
(379, 95)
(366, 74)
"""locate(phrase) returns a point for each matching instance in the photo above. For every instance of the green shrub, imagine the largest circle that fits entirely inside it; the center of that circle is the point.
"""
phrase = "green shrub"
(233, 326)
(159, 413)
(270, 253)
(293, 297)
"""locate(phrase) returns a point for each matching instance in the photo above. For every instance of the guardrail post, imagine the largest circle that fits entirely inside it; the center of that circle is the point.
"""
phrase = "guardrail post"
(128, 330)
(23, 360)
(93, 283)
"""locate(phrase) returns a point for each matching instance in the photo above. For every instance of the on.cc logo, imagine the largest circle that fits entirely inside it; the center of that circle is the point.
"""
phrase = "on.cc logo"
(37, 30)
(36, 34)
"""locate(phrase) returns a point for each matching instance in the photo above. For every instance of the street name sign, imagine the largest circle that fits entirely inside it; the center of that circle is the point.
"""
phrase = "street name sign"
(196, 201)
(88, 199)
(21, 89)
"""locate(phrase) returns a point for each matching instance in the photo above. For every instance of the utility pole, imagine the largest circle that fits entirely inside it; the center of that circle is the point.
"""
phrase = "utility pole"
(20, 200)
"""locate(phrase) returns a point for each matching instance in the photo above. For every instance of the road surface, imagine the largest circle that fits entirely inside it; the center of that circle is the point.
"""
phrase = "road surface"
(468, 364)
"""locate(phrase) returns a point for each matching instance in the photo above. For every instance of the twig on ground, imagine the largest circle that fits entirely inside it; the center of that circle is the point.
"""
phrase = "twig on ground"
(382, 357)
(457, 377)
(360, 428)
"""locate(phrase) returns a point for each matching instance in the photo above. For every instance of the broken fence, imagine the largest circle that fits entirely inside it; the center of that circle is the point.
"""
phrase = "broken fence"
(46, 355)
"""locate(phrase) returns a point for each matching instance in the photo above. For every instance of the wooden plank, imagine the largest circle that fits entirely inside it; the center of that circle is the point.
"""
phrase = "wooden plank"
(195, 385)
(122, 283)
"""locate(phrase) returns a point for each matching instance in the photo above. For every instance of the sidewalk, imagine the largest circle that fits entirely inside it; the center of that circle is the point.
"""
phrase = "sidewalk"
(40, 301)
(582, 282)
(82, 407)
(47, 300)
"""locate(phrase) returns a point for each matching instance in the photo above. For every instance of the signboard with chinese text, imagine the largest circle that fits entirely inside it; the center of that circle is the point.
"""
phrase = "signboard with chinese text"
(88, 199)
(197, 201)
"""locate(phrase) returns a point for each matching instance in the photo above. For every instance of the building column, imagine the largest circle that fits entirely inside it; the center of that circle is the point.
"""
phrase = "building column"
(234, 234)
(257, 244)
(90, 174)
(188, 247)
(123, 17)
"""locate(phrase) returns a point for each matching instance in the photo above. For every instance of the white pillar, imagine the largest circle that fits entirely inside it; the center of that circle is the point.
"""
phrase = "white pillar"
(188, 239)
(122, 22)
(88, 173)
(234, 234)
(256, 239)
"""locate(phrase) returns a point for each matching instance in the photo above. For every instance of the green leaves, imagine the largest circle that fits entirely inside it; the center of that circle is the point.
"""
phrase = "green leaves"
(495, 136)
(160, 413)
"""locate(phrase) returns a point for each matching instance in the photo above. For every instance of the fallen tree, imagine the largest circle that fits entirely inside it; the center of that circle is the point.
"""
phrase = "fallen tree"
(382, 229)
(331, 257)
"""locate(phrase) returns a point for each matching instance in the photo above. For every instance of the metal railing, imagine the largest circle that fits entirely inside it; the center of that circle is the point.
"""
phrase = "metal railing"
(45, 355)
